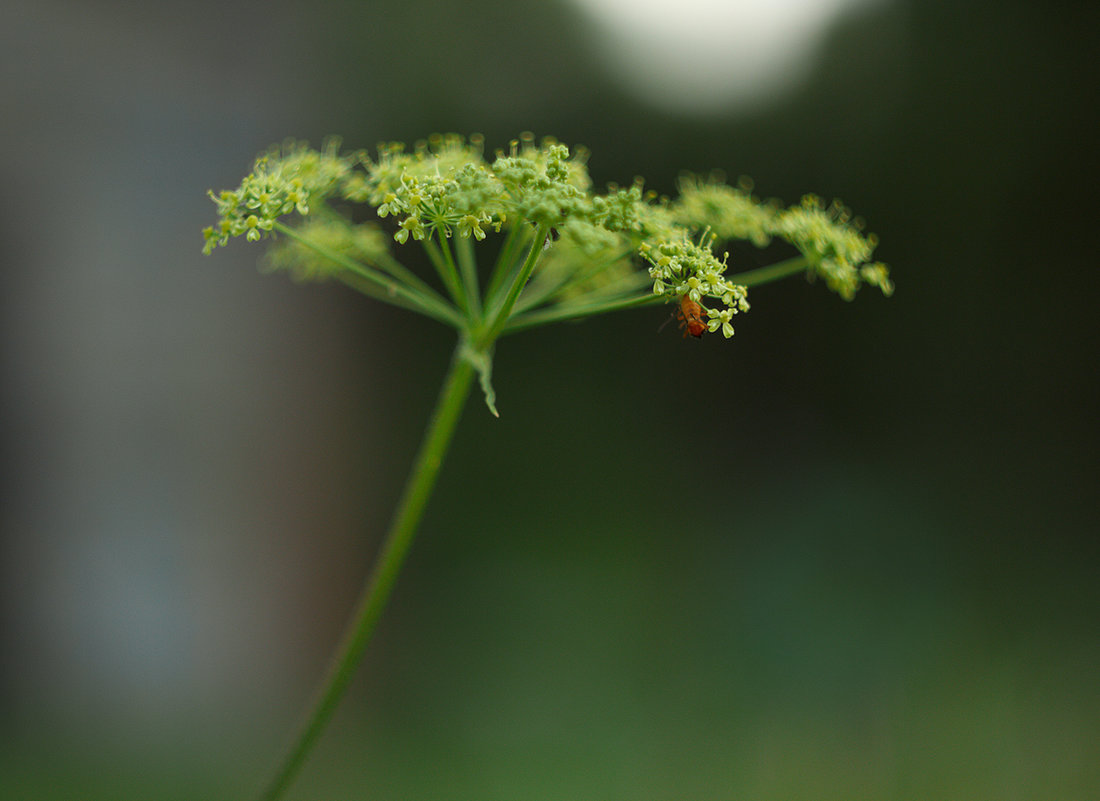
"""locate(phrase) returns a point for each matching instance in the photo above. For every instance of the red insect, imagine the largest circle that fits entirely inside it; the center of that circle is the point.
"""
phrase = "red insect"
(691, 317)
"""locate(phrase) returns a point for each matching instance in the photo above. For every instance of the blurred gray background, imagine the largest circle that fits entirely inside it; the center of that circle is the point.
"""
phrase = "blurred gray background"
(850, 554)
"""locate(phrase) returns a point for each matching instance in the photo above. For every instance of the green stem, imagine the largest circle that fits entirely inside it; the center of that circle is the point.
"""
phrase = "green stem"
(505, 259)
(772, 272)
(377, 590)
(447, 272)
(467, 264)
(381, 286)
(568, 311)
(403, 273)
(535, 295)
(518, 283)
(383, 260)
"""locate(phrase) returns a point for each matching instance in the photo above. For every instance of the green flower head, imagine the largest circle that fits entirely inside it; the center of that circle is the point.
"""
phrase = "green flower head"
(563, 250)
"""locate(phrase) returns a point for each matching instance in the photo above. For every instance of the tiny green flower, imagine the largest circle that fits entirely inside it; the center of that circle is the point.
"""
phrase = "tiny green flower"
(720, 318)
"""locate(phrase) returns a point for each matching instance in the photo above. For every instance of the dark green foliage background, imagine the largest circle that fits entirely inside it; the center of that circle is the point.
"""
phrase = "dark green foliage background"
(849, 554)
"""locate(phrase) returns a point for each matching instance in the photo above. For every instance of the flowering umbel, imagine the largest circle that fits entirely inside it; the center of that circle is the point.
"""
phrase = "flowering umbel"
(567, 251)
(563, 251)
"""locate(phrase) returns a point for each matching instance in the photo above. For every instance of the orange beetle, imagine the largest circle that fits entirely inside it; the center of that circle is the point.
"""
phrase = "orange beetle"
(691, 317)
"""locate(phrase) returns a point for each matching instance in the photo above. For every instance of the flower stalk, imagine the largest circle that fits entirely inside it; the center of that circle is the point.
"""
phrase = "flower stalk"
(379, 585)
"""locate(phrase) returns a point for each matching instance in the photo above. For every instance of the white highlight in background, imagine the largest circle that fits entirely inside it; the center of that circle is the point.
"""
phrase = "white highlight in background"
(709, 55)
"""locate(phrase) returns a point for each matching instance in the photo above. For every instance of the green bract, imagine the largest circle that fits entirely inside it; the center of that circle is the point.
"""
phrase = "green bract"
(566, 252)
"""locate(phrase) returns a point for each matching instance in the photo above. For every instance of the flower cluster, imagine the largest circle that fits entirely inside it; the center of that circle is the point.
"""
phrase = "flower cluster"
(831, 241)
(446, 185)
(568, 252)
(829, 238)
(282, 181)
(683, 268)
(443, 185)
(730, 212)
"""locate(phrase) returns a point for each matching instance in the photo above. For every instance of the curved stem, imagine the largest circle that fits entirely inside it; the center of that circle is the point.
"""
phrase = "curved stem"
(565, 311)
(772, 272)
(380, 583)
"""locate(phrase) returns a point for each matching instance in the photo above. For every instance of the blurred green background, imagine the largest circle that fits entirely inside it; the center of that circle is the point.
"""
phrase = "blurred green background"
(850, 554)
